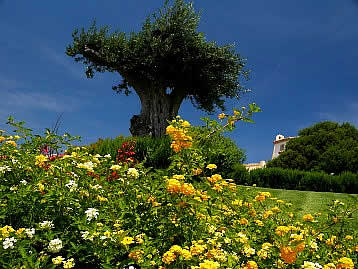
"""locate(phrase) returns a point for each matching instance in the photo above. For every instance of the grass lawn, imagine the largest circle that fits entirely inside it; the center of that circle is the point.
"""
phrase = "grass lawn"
(313, 202)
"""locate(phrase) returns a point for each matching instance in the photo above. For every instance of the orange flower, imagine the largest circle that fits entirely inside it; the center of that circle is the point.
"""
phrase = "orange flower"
(308, 217)
(187, 189)
(288, 255)
(197, 171)
(243, 221)
(300, 247)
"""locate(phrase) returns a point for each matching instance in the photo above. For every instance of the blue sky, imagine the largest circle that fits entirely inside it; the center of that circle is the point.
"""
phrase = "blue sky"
(302, 54)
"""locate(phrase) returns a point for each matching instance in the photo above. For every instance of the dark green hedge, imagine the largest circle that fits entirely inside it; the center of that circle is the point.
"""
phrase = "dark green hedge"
(155, 152)
(290, 179)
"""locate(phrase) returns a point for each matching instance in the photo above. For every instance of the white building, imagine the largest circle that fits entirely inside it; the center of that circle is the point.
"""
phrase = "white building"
(251, 166)
(279, 145)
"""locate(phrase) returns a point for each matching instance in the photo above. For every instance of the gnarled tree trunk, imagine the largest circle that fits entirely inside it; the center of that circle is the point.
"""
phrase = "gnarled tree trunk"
(157, 108)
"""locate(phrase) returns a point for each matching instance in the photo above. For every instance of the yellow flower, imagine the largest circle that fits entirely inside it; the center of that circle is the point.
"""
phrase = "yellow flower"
(282, 230)
(214, 178)
(218, 187)
(173, 185)
(243, 221)
(187, 189)
(221, 116)
(185, 124)
(6, 230)
(186, 254)
(330, 241)
(263, 254)
(248, 251)
(259, 222)
(57, 260)
(267, 214)
(116, 167)
(276, 209)
(176, 249)
(40, 159)
(345, 263)
(237, 202)
(308, 218)
(211, 166)
(168, 257)
(329, 266)
(11, 142)
(179, 177)
(70, 263)
(251, 265)
(197, 249)
(102, 199)
(2, 139)
(349, 237)
(266, 246)
(20, 231)
(197, 171)
(136, 255)
(127, 240)
(207, 264)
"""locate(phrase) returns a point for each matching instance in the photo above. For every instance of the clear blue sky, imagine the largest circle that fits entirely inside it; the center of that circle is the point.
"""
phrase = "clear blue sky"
(303, 56)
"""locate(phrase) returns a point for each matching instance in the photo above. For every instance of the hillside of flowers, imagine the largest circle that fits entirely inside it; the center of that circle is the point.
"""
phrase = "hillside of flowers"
(76, 210)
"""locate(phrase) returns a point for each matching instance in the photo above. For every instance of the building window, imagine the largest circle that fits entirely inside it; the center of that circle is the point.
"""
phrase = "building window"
(282, 147)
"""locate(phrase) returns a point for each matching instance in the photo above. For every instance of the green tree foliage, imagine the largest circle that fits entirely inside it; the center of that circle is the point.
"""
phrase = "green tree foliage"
(326, 146)
(164, 63)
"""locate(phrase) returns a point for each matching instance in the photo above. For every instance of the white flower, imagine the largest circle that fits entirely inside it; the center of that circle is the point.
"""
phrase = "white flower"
(116, 167)
(30, 232)
(133, 172)
(72, 185)
(24, 182)
(55, 245)
(87, 165)
(107, 156)
(9, 243)
(13, 188)
(5, 168)
(47, 224)
(311, 265)
(96, 187)
(86, 235)
(91, 213)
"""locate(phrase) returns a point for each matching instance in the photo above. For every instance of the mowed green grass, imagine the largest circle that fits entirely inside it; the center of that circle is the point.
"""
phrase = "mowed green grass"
(304, 202)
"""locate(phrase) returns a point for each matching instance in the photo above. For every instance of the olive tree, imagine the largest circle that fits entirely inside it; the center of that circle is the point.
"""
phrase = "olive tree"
(167, 61)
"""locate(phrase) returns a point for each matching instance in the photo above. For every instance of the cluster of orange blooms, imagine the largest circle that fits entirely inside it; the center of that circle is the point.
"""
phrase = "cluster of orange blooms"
(179, 135)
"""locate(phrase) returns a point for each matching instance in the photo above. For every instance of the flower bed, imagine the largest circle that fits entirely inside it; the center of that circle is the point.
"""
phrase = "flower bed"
(85, 211)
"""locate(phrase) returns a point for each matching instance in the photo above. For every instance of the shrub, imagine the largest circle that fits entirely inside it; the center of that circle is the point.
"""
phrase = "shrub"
(240, 174)
(300, 180)
(107, 146)
(153, 152)
(219, 150)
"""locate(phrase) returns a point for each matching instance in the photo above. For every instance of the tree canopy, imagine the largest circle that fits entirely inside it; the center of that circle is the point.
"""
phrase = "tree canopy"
(326, 146)
(164, 63)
